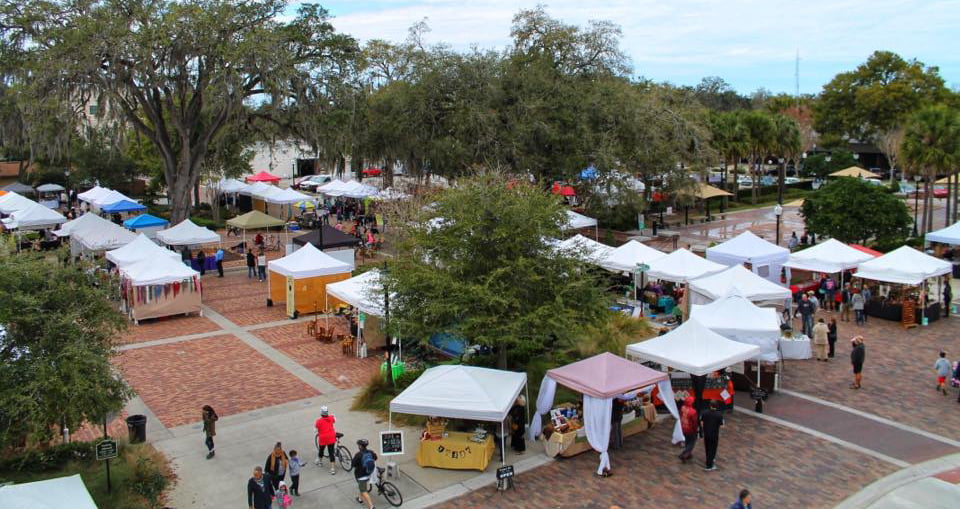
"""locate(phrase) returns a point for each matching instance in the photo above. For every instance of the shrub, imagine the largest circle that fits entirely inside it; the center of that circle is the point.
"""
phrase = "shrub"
(51, 458)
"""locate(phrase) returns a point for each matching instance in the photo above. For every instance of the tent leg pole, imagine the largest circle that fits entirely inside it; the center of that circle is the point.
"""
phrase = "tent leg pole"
(503, 444)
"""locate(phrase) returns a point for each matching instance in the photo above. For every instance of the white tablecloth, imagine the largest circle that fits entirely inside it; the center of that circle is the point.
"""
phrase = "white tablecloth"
(796, 348)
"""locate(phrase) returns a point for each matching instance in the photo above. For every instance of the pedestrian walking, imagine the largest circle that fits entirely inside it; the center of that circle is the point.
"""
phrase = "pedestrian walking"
(295, 465)
(857, 356)
(857, 301)
(210, 419)
(792, 243)
(743, 501)
(689, 424)
(364, 467)
(251, 265)
(943, 369)
(845, 303)
(947, 296)
(262, 265)
(282, 499)
(276, 465)
(806, 309)
(202, 261)
(326, 438)
(814, 300)
(518, 424)
(219, 259)
(259, 490)
(820, 339)
(867, 295)
(711, 421)
(832, 337)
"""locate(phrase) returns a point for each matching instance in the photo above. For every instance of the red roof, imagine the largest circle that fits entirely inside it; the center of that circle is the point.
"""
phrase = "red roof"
(867, 250)
(264, 177)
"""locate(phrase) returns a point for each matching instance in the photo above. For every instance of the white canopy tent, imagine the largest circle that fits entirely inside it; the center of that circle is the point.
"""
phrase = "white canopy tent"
(363, 292)
(187, 233)
(80, 222)
(693, 348)
(141, 248)
(577, 221)
(682, 266)
(160, 286)
(737, 280)
(462, 392)
(904, 265)
(357, 190)
(765, 258)
(230, 186)
(585, 248)
(829, 256)
(98, 235)
(109, 197)
(948, 235)
(737, 319)
(93, 193)
(308, 261)
(34, 217)
(59, 493)
(332, 187)
(12, 202)
(50, 188)
(257, 189)
(284, 196)
(626, 257)
(157, 271)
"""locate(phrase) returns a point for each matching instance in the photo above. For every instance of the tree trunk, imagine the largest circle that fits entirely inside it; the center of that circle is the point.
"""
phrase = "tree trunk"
(947, 214)
(196, 195)
(956, 196)
(387, 173)
(502, 356)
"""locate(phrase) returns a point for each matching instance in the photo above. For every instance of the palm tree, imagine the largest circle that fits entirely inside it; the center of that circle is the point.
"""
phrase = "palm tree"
(759, 129)
(786, 144)
(730, 140)
(931, 145)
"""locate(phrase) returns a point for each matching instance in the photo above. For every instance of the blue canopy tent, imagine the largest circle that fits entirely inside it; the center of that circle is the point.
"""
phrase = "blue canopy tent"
(588, 173)
(123, 206)
(144, 221)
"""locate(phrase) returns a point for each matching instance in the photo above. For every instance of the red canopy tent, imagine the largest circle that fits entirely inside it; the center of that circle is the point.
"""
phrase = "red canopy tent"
(263, 177)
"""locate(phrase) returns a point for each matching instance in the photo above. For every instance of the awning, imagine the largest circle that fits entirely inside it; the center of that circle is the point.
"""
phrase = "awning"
(145, 221)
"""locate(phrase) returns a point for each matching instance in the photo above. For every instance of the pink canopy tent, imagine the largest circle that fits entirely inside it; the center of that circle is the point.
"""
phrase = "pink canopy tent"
(601, 378)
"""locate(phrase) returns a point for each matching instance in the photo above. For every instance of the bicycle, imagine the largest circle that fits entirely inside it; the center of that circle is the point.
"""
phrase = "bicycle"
(344, 458)
(388, 490)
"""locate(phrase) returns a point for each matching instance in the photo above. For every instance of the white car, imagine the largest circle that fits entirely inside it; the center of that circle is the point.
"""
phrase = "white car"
(312, 182)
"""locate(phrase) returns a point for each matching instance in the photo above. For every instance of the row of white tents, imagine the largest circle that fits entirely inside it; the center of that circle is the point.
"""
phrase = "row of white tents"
(273, 194)
(26, 214)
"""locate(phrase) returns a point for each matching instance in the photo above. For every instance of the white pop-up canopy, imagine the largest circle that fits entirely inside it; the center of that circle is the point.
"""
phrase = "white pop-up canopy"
(12, 202)
(91, 194)
(332, 188)
(364, 292)
(948, 235)
(461, 392)
(588, 249)
(904, 265)
(99, 234)
(576, 221)
(141, 248)
(626, 257)
(354, 189)
(108, 197)
(258, 189)
(50, 188)
(736, 280)
(187, 233)
(693, 348)
(765, 258)
(830, 256)
(34, 217)
(231, 186)
(682, 266)
(738, 319)
(80, 222)
(157, 271)
(284, 197)
(308, 261)
(59, 493)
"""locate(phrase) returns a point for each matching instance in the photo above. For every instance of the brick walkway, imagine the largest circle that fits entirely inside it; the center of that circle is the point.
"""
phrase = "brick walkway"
(241, 300)
(166, 327)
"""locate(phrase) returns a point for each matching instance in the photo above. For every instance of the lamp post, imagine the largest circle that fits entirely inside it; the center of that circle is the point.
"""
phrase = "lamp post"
(781, 175)
(778, 211)
(916, 201)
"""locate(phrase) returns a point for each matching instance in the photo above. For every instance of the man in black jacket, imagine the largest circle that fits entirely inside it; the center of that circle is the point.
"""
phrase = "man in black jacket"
(259, 490)
(711, 422)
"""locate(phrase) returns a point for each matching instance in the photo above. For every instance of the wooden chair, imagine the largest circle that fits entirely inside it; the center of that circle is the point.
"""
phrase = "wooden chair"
(346, 344)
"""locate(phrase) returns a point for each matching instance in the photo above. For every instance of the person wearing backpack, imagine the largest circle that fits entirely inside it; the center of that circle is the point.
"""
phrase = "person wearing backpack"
(364, 465)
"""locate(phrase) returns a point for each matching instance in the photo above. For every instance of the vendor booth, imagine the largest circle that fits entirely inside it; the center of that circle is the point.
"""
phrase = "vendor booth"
(629, 256)
(34, 217)
(146, 224)
(600, 379)
(58, 493)
(12, 202)
(84, 219)
(740, 281)
(577, 221)
(263, 177)
(682, 266)
(300, 279)
(187, 233)
(254, 220)
(141, 248)
(765, 258)
(96, 234)
(910, 269)
(49, 195)
(159, 286)
(365, 294)
(830, 256)
(737, 319)
(459, 392)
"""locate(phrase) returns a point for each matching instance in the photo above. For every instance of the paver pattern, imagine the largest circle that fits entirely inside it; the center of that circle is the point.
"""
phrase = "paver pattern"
(175, 380)
(781, 467)
(241, 300)
(325, 359)
(166, 327)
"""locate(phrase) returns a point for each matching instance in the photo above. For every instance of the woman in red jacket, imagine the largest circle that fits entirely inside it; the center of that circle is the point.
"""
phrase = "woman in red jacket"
(689, 424)
(326, 437)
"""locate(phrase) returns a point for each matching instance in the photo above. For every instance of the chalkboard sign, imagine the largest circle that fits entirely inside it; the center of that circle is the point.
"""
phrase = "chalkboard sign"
(505, 472)
(391, 443)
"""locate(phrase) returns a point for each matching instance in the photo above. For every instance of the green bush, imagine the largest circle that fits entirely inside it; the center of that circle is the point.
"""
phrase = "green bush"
(407, 378)
(148, 481)
(40, 460)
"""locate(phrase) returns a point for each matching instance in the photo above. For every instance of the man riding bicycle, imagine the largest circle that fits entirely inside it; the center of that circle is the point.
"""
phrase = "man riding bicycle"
(326, 437)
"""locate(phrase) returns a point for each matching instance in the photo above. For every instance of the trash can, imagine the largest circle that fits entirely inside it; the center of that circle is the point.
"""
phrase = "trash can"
(137, 428)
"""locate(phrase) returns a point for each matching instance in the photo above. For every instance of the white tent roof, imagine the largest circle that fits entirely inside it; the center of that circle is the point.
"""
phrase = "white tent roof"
(258, 189)
(948, 235)
(49, 188)
(187, 233)
(99, 234)
(157, 271)
(91, 194)
(391, 194)
(363, 292)
(308, 261)
(12, 202)
(461, 392)
(332, 187)
(284, 196)
(738, 319)
(576, 221)
(693, 348)
(738, 280)
(354, 189)
(904, 265)
(231, 186)
(682, 266)
(60, 493)
(84, 219)
(141, 248)
(747, 247)
(626, 257)
(829, 256)
(110, 197)
(34, 216)
(589, 249)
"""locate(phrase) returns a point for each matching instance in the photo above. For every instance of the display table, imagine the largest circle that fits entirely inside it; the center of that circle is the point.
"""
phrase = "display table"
(796, 348)
(575, 442)
(456, 452)
(891, 310)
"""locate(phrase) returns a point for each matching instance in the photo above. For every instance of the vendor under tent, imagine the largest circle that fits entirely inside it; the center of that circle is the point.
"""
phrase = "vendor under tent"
(682, 266)
(187, 233)
(736, 318)
(459, 392)
(141, 248)
(12, 202)
(830, 256)
(18, 188)
(948, 235)
(766, 259)
(67, 492)
(263, 177)
(300, 279)
(575, 221)
(254, 220)
(600, 379)
(123, 206)
(147, 224)
(279, 201)
(737, 280)
(855, 171)
(906, 266)
(160, 286)
(34, 217)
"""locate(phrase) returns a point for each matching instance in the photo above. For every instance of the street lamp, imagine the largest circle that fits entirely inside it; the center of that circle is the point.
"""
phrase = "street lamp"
(781, 175)
(916, 201)
(778, 211)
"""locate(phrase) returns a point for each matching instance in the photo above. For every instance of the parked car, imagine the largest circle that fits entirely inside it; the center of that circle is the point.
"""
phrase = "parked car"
(312, 182)
(372, 172)
(791, 180)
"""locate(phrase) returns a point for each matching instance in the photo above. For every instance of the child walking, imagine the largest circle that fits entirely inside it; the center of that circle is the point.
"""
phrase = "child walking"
(282, 498)
(943, 368)
(295, 465)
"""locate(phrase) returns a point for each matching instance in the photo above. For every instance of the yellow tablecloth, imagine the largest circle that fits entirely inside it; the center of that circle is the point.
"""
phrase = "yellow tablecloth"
(456, 452)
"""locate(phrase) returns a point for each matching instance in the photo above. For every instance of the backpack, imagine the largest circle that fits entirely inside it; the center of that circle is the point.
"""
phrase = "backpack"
(369, 464)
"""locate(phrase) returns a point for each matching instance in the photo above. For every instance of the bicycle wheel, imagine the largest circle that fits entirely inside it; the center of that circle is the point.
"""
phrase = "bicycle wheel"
(391, 493)
(345, 458)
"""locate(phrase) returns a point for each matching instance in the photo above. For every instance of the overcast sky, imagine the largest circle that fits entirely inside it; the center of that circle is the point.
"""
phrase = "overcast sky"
(748, 43)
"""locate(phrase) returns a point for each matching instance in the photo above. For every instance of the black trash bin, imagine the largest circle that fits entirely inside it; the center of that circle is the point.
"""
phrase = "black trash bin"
(137, 428)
